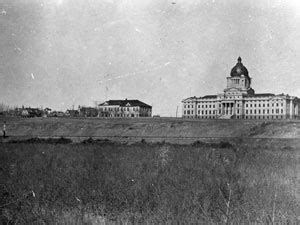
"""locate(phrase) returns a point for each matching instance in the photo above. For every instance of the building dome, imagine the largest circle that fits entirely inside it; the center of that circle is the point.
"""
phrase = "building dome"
(239, 69)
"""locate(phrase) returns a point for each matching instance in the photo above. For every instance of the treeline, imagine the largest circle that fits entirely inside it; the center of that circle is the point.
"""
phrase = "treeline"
(9, 111)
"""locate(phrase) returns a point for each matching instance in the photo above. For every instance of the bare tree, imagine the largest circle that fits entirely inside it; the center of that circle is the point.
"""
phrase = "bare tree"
(4, 107)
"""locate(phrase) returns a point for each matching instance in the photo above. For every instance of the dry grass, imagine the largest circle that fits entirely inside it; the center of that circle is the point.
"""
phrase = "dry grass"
(91, 127)
(104, 183)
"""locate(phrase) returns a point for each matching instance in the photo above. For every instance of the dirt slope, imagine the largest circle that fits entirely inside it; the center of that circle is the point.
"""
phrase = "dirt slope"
(167, 127)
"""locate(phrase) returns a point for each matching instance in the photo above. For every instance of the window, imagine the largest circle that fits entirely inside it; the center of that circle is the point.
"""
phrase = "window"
(277, 104)
(246, 105)
(188, 106)
(184, 112)
(246, 111)
(198, 111)
(238, 111)
(254, 111)
(281, 110)
(188, 112)
(258, 105)
(259, 111)
(263, 105)
(238, 105)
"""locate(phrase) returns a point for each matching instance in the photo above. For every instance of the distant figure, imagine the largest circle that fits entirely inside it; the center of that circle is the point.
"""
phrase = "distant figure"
(4, 129)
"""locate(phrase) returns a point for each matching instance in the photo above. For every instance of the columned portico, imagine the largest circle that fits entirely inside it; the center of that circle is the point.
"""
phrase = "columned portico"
(228, 108)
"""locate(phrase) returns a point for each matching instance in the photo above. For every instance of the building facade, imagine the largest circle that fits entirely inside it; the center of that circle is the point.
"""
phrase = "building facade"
(239, 101)
(124, 108)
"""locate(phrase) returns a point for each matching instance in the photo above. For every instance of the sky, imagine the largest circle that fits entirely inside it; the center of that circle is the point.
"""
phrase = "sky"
(65, 53)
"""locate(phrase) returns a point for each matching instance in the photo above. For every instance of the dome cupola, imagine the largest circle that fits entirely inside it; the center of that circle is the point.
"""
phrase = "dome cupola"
(239, 69)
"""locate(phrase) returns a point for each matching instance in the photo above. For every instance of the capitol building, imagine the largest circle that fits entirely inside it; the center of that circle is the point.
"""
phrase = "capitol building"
(239, 101)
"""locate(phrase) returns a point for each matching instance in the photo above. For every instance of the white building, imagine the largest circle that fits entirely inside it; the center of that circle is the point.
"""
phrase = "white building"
(124, 108)
(239, 101)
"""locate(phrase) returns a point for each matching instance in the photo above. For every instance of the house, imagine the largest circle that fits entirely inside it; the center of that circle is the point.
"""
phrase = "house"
(124, 108)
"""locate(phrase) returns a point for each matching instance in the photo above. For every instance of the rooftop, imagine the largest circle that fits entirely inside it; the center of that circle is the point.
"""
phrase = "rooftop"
(124, 103)
(210, 96)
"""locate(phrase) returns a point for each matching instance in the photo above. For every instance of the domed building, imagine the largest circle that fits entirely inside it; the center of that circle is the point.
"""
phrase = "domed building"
(239, 101)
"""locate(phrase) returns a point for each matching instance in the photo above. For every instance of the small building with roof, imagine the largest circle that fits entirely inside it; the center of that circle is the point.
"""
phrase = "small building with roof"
(239, 101)
(124, 108)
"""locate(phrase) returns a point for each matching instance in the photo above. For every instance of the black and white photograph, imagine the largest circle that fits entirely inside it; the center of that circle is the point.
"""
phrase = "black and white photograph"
(149, 112)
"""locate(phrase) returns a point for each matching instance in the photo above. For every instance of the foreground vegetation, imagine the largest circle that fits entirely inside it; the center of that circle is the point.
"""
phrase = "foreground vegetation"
(102, 182)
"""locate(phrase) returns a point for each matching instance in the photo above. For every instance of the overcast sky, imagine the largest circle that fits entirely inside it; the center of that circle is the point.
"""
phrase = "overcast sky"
(60, 53)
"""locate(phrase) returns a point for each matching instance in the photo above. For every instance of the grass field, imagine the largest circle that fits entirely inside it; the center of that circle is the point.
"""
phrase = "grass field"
(54, 181)
(151, 127)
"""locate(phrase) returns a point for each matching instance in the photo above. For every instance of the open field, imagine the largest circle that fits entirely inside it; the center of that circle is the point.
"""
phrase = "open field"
(243, 177)
(200, 183)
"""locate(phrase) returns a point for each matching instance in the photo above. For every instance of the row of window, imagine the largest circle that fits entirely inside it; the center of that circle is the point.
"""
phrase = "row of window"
(119, 109)
(235, 81)
(192, 106)
(126, 115)
(233, 97)
(265, 117)
(212, 112)
(207, 106)
(124, 109)
(267, 111)
(238, 105)
(205, 117)
(246, 117)
(263, 105)
(190, 112)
